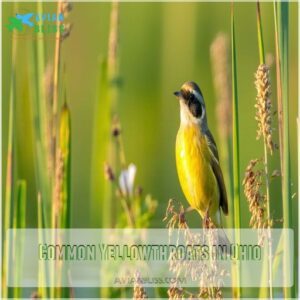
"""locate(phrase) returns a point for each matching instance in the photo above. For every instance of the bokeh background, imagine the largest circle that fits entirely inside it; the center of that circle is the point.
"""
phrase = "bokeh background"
(161, 45)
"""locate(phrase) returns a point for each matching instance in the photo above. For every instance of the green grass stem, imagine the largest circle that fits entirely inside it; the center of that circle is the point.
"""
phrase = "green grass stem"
(40, 76)
(260, 34)
(278, 85)
(283, 30)
(9, 170)
(267, 184)
(19, 222)
(103, 146)
(101, 191)
(65, 149)
(236, 156)
(281, 24)
(42, 273)
(42, 116)
(61, 212)
(42, 176)
(56, 69)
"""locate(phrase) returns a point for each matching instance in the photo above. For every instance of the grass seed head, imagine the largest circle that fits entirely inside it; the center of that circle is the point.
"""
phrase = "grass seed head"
(67, 31)
(66, 7)
(256, 201)
(139, 291)
(175, 293)
(48, 87)
(264, 105)
(59, 173)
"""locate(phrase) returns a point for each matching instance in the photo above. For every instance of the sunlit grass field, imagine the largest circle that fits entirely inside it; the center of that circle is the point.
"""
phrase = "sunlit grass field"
(160, 46)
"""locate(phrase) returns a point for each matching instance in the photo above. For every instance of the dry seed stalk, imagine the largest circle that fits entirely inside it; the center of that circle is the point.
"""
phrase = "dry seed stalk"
(175, 293)
(257, 202)
(263, 105)
(214, 293)
(65, 8)
(57, 205)
(55, 76)
(48, 87)
(206, 273)
(139, 291)
(62, 169)
(175, 217)
(113, 41)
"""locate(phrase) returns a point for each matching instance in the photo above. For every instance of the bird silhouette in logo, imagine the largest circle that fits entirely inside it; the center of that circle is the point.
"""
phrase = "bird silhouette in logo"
(25, 19)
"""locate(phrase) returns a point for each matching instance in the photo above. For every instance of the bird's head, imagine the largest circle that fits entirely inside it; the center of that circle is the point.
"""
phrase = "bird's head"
(192, 106)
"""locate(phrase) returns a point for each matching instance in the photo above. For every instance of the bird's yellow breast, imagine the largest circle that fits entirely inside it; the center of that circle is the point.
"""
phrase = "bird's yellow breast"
(195, 173)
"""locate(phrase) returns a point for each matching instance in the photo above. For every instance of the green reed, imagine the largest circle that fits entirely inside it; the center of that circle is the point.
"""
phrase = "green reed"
(281, 16)
(236, 156)
(42, 273)
(266, 163)
(10, 169)
(103, 147)
(19, 222)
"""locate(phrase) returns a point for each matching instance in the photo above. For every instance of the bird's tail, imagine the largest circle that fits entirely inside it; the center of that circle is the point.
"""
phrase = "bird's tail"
(222, 240)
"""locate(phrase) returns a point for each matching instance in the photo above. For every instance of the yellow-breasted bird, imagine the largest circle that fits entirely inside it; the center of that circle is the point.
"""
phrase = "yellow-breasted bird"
(197, 158)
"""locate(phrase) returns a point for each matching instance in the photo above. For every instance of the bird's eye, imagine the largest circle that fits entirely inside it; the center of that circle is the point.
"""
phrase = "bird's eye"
(191, 97)
(196, 109)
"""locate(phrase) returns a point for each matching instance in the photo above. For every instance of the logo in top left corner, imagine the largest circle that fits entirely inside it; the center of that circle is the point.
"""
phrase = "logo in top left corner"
(19, 21)
(33, 23)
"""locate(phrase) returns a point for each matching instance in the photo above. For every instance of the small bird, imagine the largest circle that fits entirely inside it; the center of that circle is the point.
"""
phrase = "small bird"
(197, 158)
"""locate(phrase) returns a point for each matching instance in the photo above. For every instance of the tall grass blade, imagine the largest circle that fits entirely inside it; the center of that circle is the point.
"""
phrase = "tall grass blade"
(113, 84)
(260, 34)
(8, 195)
(100, 189)
(40, 67)
(298, 138)
(103, 148)
(278, 85)
(65, 153)
(42, 176)
(236, 156)
(9, 170)
(42, 273)
(283, 18)
(19, 222)
(269, 257)
(61, 212)
(57, 59)
(42, 115)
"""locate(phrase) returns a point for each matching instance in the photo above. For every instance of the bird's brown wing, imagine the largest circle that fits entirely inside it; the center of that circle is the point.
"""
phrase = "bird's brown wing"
(217, 171)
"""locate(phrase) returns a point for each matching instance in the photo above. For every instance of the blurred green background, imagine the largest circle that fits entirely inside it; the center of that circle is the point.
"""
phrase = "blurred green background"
(162, 45)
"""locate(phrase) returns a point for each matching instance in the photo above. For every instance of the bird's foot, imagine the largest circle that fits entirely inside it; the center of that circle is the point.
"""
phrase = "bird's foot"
(207, 220)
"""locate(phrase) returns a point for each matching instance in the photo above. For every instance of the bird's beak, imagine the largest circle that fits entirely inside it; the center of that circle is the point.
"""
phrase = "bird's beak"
(177, 94)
